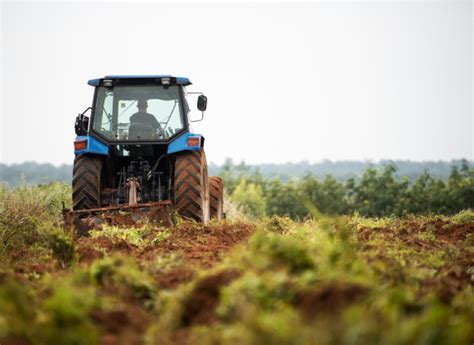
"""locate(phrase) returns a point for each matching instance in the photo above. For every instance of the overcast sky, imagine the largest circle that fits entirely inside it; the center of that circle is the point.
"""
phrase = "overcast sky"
(285, 82)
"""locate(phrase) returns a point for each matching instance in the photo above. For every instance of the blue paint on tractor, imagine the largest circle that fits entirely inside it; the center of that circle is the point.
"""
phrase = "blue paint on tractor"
(181, 143)
(179, 80)
(93, 146)
(94, 82)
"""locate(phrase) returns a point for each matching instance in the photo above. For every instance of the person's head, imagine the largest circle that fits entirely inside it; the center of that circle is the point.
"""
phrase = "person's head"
(142, 105)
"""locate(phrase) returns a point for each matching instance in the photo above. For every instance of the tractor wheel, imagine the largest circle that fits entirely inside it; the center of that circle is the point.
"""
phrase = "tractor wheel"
(216, 193)
(191, 185)
(86, 182)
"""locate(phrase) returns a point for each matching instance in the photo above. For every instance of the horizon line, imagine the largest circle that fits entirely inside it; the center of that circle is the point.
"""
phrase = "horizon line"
(308, 162)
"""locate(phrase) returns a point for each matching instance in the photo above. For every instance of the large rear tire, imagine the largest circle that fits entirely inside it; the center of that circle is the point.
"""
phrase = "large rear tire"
(86, 182)
(216, 193)
(191, 185)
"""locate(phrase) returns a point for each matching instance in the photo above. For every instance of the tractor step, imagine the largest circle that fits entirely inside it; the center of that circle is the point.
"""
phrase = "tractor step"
(120, 215)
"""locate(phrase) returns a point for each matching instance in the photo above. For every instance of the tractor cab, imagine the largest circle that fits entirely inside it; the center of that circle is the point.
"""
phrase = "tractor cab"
(133, 109)
(139, 113)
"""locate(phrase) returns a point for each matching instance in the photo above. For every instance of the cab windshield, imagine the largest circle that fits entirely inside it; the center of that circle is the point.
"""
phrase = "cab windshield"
(138, 113)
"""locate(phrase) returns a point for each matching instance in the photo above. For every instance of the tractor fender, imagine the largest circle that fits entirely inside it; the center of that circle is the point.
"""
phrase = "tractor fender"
(186, 142)
(92, 145)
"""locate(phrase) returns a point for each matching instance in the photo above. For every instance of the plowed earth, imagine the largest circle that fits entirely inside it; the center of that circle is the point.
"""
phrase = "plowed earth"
(432, 236)
(200, 246)
(196, 247)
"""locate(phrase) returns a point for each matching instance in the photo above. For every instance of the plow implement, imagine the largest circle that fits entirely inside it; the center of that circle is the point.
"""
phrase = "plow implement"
(120, 215)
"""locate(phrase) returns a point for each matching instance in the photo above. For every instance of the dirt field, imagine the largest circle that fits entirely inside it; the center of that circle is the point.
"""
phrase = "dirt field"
(346, 280)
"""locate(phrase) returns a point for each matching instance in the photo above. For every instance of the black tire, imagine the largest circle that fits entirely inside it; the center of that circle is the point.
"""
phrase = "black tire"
(191, 185)
(216, 194)
(86, 182)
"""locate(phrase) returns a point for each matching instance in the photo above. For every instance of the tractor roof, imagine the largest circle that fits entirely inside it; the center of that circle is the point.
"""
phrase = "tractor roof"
(179, 80)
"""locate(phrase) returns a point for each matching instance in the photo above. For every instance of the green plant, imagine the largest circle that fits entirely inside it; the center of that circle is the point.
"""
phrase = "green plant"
(250, 197)
(123, 273)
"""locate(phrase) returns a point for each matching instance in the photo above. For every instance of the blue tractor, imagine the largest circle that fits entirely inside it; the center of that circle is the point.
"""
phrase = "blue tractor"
(137, 150)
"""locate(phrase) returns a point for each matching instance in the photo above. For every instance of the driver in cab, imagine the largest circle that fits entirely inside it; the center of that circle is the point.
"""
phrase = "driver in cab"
(144, 118)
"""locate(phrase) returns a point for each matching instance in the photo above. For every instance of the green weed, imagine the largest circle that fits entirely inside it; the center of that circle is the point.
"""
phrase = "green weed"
(123, 273)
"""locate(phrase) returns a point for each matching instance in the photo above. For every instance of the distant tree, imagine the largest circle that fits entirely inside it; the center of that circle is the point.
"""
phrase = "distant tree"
(250, 197)
(419, 198)
(285, 199)
(228, 177)
(328, 196)
(378, 194)
(461, 187)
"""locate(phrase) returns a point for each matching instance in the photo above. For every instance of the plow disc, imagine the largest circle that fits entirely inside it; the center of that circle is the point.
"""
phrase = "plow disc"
(121, 215)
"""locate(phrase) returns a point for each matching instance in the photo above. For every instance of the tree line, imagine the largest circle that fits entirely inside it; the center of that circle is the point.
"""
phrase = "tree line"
(342, 170)
(377, 192)
(36, 173)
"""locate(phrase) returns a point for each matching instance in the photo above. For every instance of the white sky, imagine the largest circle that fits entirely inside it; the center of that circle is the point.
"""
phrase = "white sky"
(285, 81)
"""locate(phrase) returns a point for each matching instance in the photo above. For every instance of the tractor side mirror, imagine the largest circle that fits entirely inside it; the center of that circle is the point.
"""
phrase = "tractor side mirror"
(82, 123)
(202, 103)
